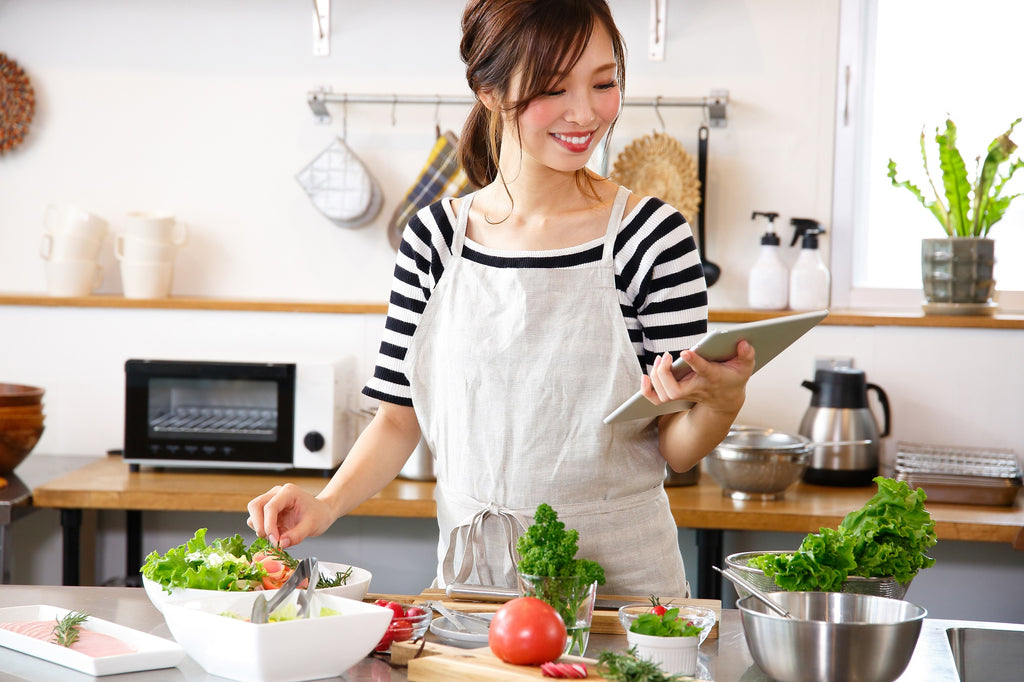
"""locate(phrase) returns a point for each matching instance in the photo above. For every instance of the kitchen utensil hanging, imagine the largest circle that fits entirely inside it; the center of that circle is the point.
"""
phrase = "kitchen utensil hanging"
(441, 176)
(657, 165)
(711, 270)
(17, 104)
(340, 185)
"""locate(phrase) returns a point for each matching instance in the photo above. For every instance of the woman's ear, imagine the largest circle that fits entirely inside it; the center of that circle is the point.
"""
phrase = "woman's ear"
(488, 100)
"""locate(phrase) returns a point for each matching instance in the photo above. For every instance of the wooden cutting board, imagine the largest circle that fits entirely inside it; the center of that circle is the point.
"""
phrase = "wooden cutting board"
(442, 663)
(605, 621)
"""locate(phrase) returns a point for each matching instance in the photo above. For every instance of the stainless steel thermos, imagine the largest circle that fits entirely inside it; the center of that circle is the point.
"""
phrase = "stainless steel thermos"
(839, 411)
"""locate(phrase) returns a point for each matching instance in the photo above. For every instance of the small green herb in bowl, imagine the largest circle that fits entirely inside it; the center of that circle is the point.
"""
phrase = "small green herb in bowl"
(668, 624)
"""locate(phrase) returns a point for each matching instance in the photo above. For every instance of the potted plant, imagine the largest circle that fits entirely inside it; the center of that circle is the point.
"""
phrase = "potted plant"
(549, 570)
(664, 637)
(956, 270)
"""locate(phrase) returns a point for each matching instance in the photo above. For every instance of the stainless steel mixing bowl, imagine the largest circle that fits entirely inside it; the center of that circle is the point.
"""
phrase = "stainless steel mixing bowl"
(831, 636)
(758, 464)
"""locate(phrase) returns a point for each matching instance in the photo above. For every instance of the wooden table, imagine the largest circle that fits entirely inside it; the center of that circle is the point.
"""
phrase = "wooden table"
(107, 483)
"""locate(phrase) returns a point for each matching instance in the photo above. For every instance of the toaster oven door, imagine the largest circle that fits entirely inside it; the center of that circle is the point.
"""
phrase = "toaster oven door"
(183, 413)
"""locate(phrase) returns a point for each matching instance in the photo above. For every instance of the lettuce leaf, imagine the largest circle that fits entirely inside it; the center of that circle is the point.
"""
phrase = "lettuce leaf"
(887, 537)
(224, 564)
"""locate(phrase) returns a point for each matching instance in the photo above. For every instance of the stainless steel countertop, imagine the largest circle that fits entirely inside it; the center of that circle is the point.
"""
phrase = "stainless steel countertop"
(723, 660)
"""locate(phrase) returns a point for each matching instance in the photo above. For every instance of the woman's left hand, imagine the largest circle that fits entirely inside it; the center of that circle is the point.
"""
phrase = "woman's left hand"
(719, 386)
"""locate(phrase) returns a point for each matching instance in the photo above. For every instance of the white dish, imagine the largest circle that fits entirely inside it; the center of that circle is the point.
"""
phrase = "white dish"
(151, 652)
(356, 588)
(475, 634)
(285, 651)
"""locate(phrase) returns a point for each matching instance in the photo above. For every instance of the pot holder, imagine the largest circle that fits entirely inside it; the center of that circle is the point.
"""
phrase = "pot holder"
(441, 176)
(340, 186)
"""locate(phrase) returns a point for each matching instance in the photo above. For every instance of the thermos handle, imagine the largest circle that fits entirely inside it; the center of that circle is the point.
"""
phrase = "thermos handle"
(884, 400)
(809, 384)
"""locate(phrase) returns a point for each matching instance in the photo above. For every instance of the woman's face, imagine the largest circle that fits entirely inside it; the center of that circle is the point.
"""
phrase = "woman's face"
(561, 128)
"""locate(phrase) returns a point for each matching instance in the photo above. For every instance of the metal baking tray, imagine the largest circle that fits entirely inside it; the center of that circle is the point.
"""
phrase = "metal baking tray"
(960, 475)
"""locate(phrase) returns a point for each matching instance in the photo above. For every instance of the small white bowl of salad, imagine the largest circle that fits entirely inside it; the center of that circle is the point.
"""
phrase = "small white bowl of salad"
(216, 632)
(198, 568)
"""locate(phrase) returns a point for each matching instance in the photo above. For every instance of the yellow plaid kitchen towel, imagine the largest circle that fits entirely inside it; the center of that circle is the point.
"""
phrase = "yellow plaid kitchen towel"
(442, 176)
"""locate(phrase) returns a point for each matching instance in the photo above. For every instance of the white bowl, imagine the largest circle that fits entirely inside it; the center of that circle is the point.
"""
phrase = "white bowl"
(356, 588)
(675, 655)
(285, 651)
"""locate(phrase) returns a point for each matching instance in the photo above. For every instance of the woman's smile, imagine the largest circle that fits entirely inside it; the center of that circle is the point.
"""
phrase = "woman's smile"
(577, 143)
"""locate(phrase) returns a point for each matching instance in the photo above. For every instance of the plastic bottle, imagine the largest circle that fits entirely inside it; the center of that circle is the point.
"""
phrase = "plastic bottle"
(809, 281)
(768, 285)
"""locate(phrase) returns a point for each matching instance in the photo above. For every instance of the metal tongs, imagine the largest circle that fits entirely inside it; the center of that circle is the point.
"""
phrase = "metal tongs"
(306, 570)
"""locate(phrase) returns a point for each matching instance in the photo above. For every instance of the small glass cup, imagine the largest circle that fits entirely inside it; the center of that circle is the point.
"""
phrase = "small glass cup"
(572, 598)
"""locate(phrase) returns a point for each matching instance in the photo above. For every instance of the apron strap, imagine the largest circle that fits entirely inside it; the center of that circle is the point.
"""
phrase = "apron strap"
(614, 221)
(461, 220)
(471, 533)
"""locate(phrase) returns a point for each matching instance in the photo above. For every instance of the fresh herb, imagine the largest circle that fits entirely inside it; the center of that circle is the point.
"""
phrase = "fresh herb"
(626, 667)
(887, 537)
(263, 545)
(224, 564)
(548, 550)
(340, 578)
(65, 632)
(667, 624)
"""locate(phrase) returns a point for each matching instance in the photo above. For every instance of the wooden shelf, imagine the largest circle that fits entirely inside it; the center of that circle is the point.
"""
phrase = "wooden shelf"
(838, 317)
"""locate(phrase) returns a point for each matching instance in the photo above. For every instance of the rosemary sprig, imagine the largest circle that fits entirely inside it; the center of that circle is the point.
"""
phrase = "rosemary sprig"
(340, 578)
(65, 632)
(283, 556)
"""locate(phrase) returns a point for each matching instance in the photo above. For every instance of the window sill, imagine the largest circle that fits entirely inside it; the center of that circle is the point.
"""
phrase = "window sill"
(838, 317)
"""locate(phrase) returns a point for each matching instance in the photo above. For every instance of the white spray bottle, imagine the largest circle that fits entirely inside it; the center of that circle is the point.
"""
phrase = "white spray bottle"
(809, 281)
(768, 285)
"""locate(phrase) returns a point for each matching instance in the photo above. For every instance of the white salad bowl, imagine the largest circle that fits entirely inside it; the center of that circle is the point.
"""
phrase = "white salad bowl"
(356, 587)
(323, 646)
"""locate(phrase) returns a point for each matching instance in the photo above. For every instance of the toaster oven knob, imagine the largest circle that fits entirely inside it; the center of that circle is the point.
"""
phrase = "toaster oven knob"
(314, 441)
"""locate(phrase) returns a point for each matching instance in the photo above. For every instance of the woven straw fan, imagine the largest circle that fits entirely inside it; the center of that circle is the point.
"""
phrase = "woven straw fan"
(657, 165)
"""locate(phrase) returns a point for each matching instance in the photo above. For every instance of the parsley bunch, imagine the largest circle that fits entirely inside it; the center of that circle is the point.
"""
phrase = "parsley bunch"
(548, 549)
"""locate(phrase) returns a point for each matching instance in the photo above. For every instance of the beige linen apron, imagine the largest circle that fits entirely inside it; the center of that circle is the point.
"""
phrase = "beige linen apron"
(512, 370)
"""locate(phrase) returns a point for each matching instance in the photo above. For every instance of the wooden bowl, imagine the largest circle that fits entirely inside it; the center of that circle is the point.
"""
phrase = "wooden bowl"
(21, 422)
(16, 445)
(17, 394)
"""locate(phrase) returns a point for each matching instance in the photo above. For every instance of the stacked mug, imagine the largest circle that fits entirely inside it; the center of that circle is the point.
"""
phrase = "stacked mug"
(71, 244)
(146, 250)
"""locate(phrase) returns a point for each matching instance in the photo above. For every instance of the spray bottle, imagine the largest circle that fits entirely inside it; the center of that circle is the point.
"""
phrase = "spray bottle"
(768, 286)
(809, 281)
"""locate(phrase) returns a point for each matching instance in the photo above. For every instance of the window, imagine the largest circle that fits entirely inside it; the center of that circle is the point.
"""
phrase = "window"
(903, 66)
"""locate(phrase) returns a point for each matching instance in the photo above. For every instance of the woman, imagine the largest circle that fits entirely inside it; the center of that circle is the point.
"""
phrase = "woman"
(523, 314)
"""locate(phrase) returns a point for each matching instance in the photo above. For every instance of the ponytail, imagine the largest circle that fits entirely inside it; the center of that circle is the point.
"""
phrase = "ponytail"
(479, 145)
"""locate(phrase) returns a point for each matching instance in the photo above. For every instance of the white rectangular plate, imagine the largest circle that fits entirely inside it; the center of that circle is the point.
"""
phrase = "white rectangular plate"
(151, 652)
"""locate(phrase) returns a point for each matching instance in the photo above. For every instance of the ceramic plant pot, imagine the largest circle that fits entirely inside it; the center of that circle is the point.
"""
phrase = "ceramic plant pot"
(675, 655)
(958, 270)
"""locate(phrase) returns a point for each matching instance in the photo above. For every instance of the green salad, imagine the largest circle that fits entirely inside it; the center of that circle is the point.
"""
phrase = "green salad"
(887, 537)
(224, 564)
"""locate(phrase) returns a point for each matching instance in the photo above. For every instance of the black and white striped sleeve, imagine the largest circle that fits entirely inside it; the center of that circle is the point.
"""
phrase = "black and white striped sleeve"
(422, 256)
(661, 280)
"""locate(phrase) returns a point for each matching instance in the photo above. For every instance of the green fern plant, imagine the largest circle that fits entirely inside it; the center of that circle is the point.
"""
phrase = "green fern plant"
(969, 209)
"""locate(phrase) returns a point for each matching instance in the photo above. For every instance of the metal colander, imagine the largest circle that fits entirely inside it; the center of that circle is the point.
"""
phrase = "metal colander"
(879, 587)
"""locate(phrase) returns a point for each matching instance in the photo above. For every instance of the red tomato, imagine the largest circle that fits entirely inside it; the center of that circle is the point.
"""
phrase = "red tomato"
(526, 631)
(396, 608)
(400, 630)
(414, 612)
(658, 610)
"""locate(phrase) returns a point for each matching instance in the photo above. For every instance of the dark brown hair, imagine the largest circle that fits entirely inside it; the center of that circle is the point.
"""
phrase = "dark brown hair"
(541, 39)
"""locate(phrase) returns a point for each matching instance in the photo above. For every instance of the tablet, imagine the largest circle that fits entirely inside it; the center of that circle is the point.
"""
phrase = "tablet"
(768, 337)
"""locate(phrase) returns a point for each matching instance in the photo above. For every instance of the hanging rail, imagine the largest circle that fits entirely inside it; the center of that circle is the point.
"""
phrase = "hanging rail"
(714, 104)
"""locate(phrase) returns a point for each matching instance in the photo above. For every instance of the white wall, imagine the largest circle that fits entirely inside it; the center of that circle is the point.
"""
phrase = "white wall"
(200, 108)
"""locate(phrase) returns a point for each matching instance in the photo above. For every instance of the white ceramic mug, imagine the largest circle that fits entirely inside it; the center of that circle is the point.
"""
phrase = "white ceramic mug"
(146, 279)
(156, 226)
(69, 246)
(72, 277)
(74, 220)
(130, 247)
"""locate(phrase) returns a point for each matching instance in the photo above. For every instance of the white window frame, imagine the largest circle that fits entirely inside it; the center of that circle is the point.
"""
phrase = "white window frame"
(853, 107)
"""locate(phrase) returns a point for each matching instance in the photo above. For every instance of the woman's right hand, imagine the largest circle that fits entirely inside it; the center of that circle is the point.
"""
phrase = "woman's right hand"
(287, 514)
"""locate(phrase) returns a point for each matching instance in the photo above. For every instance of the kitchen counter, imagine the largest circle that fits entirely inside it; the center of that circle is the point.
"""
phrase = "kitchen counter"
(725, 659)
(108, 483)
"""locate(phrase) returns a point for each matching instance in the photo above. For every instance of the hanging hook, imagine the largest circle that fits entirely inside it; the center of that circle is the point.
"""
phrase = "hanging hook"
(394, 111)
(344, 117)
(657, 111)
(437, 117)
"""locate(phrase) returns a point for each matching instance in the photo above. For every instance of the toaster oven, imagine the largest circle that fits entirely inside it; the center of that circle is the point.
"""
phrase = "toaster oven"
(232, 414)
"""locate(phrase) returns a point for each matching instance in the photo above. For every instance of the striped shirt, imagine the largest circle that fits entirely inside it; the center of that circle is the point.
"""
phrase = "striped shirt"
(658, 276)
